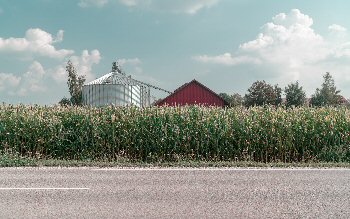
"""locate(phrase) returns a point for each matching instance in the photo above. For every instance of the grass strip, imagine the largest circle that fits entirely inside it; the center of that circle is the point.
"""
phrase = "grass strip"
(10, 160)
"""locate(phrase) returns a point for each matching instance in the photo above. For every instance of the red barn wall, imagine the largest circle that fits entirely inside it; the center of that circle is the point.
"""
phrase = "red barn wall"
(191, 94)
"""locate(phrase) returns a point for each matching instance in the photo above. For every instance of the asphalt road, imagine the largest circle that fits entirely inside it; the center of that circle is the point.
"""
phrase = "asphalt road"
(174, 193)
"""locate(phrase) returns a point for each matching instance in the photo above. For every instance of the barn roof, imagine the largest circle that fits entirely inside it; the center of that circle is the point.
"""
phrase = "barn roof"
(194, 81)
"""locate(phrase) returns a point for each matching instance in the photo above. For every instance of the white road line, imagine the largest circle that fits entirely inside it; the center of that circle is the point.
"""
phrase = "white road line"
(19, 188)
(221, 169)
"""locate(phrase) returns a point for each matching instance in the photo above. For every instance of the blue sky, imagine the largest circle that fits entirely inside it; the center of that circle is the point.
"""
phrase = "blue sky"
(225, 44)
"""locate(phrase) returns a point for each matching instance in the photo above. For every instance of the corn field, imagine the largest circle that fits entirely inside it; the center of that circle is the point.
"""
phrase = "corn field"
(262, 134)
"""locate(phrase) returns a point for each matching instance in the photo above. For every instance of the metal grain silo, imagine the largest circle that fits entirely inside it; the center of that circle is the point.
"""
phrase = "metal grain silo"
(115, 88)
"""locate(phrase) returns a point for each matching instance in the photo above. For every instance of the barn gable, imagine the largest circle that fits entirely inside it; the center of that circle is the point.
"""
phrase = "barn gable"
(193, 93)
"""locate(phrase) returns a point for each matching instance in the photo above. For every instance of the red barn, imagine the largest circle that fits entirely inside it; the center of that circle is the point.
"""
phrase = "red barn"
(193, 93)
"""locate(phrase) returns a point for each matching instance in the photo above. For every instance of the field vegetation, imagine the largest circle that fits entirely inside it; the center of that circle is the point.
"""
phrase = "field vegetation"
(168, 134)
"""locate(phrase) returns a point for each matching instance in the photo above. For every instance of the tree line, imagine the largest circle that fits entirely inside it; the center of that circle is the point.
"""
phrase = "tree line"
(259, 93)
(262, 93)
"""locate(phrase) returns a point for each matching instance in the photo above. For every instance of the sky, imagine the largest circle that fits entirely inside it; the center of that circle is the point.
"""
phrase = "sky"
(224, 44)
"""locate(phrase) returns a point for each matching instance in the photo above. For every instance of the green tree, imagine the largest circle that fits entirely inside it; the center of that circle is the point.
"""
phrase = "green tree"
(295, 95)
(278, 95)
(233, 100)
(115, 67)
(236, 100)
(327, 95)
(75, 84)
(226, 97)
(262, 93)
(65, 102)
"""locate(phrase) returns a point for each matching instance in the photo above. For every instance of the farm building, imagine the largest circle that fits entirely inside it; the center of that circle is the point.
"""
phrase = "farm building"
(193, 93)
(115, 88)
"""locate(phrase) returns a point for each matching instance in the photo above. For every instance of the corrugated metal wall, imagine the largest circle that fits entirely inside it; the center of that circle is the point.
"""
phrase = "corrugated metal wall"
(116, 94)
(192, 94)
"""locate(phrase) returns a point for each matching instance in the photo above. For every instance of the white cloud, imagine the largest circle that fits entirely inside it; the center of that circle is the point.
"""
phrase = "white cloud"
(226, 59)
(85, 62)
(8, 80)
(37, 79)
(59, 73)
(176, 6)
(194, 6)
(23, 85)
(32, 80)
(134, 61)
(337, 28)
(294, 18)
(130, 3)
(261, 42)
(36, 41)
(59, 36)
(91, 3)
(288, 40)
(288, 49)
(338, 33)
(173, 6)
(342, 50)
(131, 66)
